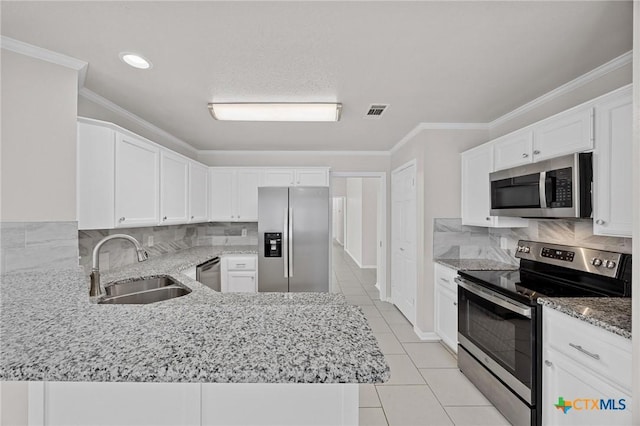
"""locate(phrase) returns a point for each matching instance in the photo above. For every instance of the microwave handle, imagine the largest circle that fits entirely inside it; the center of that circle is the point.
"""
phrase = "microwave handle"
(542, 186)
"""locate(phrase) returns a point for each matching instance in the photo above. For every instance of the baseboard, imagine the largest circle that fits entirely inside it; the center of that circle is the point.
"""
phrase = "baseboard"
(353, 257)
(426, 336)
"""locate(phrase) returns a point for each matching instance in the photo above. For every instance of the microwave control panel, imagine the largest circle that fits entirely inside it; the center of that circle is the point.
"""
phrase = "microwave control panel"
(560, 184)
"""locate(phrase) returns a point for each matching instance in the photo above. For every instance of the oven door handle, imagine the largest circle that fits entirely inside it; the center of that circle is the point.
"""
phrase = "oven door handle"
(494, 298)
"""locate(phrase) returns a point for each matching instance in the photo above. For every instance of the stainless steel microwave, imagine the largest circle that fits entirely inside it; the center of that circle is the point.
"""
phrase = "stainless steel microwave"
(559, 187)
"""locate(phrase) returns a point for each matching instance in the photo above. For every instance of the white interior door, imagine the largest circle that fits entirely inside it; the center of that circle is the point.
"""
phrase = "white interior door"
(338, 219)
(403, 240)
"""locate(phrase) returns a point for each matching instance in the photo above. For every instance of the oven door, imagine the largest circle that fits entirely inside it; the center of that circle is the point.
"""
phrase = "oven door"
(501, 334)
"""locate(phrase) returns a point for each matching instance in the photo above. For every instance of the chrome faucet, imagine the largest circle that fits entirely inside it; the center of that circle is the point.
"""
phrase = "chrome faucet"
(96, 288)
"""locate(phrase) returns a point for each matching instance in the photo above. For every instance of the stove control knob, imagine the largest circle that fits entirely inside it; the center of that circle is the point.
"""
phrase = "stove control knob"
(526, 249)
(519, 249)
(596, 261)
(610, 264)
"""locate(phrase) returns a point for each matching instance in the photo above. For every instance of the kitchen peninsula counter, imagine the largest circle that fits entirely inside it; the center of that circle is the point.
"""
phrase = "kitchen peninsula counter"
(51, 332)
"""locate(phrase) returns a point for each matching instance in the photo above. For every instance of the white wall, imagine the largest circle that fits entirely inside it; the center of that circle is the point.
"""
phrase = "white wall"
(369, 221)
(353, 232)
(635, 373)
(38, 176)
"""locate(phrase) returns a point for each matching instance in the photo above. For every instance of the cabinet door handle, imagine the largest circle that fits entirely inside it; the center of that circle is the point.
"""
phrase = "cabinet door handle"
(240, 264)
(192, 217)
(401, 249)
(164, 218)
(487, 218)
(444, 279)
(455, 303)
(584, 351)
(599, 222)
(122, 219)
(548, 363)
(536, 152)
(525, 155)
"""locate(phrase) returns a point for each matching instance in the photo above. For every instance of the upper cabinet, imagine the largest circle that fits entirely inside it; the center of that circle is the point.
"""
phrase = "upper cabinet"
(612, 166)
(562, 134)
(565, 133)
(127, 181)
(513, 150)
(136, 172)
(312, 176)
(477, 163)
(233, 194)
(198, 192)
(174, 186)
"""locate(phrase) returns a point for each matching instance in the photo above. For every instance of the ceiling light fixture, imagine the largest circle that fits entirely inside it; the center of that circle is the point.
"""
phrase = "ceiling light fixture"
(135, 60)
(276, 111)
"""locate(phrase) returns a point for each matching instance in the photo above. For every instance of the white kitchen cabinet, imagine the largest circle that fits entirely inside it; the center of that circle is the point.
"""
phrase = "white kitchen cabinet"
(239, 274)
(446, 305)
(247, 182)
(612, 166)
(513, 150)
(127, 181)
(136, 182)
(476, 165)
(233, 194)
(96, 176)
(583, 362)
(279, 177)
(206, 404)
(198, 192)
(221, 194)
(312, 176)
(174, 188)
(565, 133)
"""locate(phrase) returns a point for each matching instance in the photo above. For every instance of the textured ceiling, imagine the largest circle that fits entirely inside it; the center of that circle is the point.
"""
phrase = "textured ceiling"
(431, 61)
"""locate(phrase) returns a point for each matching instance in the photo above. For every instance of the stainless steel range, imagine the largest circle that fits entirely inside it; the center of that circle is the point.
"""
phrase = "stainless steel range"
(500, 321)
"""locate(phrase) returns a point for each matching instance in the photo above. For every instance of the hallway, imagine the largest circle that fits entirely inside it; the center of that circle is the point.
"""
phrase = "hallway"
(425, 388)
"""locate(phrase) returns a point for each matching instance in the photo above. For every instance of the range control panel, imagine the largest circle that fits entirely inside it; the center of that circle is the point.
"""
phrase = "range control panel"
(565, 255)
(590, 260)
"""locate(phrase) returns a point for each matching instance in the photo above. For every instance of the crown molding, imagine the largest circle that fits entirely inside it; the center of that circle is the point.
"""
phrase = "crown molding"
(594, 74)
(47, 55)
(299, 152)
(437, 126)
(117, 109)
(588, 77)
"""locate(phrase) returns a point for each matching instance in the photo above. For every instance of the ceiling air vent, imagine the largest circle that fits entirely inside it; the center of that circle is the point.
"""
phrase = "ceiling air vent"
(376, 110)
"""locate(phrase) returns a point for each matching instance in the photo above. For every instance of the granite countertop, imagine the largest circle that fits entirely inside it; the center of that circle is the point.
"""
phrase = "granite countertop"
(610, 313)
(477, 265)
(51, 331)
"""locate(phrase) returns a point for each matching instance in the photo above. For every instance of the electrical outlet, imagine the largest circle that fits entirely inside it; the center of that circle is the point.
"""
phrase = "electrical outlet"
(244, 232)
(150, 241)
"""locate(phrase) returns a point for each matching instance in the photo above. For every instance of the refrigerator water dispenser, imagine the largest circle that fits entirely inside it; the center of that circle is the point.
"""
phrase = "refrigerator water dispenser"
(273, 244)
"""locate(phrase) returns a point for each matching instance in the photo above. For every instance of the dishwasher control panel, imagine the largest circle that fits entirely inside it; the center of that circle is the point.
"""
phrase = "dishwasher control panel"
(273, 244)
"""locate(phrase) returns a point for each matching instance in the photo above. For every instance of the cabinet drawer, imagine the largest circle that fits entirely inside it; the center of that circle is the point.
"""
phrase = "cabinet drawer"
(600, 351)
(241, 264)
(445, 276)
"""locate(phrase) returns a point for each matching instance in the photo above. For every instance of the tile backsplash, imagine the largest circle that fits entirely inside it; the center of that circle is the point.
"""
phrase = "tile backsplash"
(166, 239)
(29, 246)
(452, 240)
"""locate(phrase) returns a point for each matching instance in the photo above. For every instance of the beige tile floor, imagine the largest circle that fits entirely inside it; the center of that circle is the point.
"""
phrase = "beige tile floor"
(426, 387)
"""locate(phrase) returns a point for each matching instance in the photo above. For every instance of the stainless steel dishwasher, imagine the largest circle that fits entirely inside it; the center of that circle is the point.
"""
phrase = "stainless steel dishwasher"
(208, 273)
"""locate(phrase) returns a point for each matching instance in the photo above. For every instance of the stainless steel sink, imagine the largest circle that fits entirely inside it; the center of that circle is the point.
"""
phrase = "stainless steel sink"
(143, 291)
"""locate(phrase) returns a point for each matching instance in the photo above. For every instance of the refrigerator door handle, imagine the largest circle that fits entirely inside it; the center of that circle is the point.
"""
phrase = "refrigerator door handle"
(285, 239)
(290, 240)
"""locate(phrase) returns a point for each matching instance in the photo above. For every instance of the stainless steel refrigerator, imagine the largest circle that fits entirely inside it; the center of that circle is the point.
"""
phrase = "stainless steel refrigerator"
(293, 239)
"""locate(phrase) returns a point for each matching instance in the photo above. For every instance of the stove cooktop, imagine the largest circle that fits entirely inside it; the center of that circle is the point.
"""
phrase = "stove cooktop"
(526, 287)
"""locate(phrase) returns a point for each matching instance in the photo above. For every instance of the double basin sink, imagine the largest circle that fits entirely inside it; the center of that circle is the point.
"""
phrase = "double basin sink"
(143, 291)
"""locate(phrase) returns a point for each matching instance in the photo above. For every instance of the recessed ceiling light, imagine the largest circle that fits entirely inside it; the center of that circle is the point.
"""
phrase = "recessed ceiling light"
(276, 111)
(135, 60)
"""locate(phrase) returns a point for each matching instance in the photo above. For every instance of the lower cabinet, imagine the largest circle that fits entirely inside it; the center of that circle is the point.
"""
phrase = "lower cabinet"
(446, 305)
(157, 404)
(585, 373)
(239, 274)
